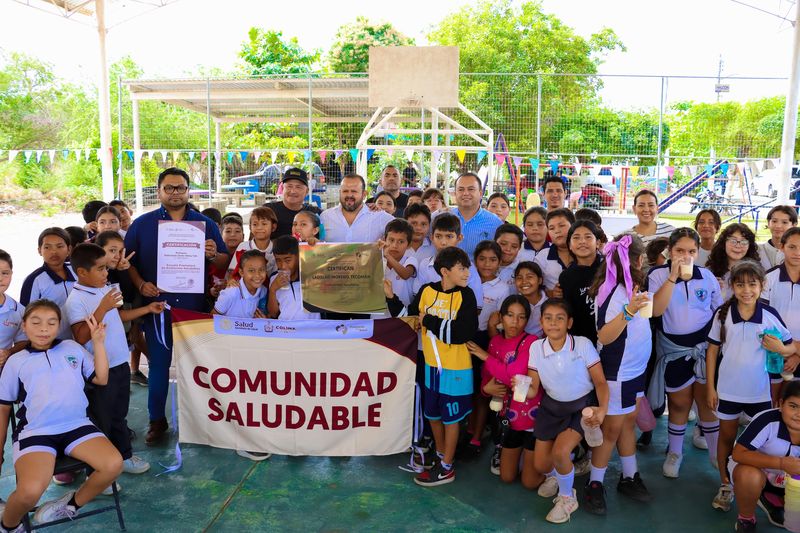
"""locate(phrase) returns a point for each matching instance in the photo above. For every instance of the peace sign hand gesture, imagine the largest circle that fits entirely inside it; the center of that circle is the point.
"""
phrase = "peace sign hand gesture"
(125, 261)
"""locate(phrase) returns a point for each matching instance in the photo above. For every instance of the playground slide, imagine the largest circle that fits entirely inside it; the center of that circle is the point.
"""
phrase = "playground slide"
(689, 186)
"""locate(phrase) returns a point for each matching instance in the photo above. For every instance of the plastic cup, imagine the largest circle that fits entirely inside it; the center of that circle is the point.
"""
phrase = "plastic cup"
(496, 404)
(521, 386)
(787, 376)
(687, 269)
(647, 310)
(115, 287)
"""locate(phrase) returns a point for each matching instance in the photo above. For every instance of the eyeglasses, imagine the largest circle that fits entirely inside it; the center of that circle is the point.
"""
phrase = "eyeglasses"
(738, 242)
(180, 189)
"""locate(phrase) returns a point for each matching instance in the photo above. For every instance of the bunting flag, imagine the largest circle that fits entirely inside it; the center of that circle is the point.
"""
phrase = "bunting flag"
(129, 153)
(390, 136)
(760, 166)
(435, 155)
(353, 154)
(230, 157)
(137, 156)
(307, 156)
(634, 171)
(176, 156)
(164, 155)
(148, 154)
(273, 154)
(323, 156)
(481, 155)
(709, 170)
(39, 155)
(554, 165)
(693, 170)
(517, 160)
(191, 156)
(203, 156)
(594, 170)
(369, 153)
(77, 154)
(12, 154)
(409, 155)
(534, 164)
(52, 155)
(651, 170)
(88, 153)
(578, 168)
(616, 171)
(290, 156)
(500, 158)
(773, 163)
(243, 156)
(337, 154)
(724, 168)
(27, 154)
(460, 154)
(389, 151)
(670, 171)
(65, 154)
(257, 156)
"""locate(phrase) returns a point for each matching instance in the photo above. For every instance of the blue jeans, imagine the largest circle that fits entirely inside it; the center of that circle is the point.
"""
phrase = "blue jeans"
(159, 358)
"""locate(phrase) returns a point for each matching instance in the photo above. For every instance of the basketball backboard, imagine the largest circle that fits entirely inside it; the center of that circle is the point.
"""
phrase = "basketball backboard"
(413, 76)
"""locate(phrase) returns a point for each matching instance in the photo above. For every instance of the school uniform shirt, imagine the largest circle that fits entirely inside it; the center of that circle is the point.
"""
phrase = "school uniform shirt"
(82, 302)
(741, 376)
(527, 253)
(783, 295)
(770, 256)
(494, 292)
(32, 376)
(767, 433)
(238, 302)
(424, 252)
(687, 318)
(626, 357)
(246, 246)
(534, 325)
(43, 283)
(506, 273)
(427, 274)
(403, 288)
(368, 226)
(290, 302)
(551, 266)
(11, 323)
(565, 373)
(575, 281)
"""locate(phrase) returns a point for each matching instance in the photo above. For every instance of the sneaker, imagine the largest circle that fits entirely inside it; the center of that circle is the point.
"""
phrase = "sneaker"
(426, 444)
(594, 498)
(135, 465)
(644, 440)
(19, 529)
(773, 512)
(548, 488)
(698, 439)
(108, 491)
(633, 488)
(724, 497)
(745, 525)
(672, 465)
(494, 466)
(563, 509)
(65, 478)
(468, 452)
(254, 456)
(583, 465)
(138, 378)
(436, 476)
(55, 509)
(424, 460)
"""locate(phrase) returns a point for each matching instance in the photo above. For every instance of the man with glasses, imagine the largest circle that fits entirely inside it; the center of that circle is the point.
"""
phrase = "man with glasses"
(477, 224)
(142, 236)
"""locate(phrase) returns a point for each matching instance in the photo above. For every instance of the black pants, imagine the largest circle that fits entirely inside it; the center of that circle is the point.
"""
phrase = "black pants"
(108, 407)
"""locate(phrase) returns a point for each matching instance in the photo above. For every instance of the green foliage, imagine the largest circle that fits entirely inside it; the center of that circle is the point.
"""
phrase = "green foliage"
(267, 53)
(350, 49)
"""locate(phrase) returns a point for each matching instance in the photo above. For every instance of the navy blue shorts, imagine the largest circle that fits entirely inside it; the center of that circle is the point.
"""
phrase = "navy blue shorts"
(730, 410)
(61, 444)
(437, 405)
(679, 374)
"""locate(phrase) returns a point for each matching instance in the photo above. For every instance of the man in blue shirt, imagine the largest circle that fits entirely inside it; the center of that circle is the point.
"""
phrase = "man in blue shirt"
(477, 224)
(142, 236)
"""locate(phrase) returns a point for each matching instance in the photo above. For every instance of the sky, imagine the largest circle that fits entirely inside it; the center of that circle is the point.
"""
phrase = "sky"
(667, 37)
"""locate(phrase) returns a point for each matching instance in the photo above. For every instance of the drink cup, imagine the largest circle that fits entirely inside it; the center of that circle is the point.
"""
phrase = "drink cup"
(521, 386)
(115, 287)
(687, 269)
(496, 404)
(647, 310)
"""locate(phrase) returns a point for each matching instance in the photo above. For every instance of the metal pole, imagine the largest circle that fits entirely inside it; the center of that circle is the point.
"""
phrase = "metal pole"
(217, 156)
(137, 157)
(538, 129)
(790, 116)
(104, 105)
(208, 136)
(660, 132)
(310, 138)
(120, 184)
(434, 146)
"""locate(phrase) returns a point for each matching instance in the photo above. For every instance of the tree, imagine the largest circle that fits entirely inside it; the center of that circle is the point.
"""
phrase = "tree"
(350, 50)
(267, 53)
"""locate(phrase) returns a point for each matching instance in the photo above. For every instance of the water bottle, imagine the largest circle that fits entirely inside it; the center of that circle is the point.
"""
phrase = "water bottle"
(774, 361)
(592, 434)
(791, 504)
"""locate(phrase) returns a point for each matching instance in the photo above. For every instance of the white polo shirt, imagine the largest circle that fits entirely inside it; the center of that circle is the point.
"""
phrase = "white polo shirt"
(403, 288)
(768, 434)
(11, 323)
(424, 252)
(741, 376)
(527, 253)
(551, 266)
(50, 385)
(368, 225)
(506, 273)
(564, 374)
(84, 301)
(43, 283)
(494, 292)
(246, 246)
(784, 296)
(237, 301)
(290, 301)
(625, 358)
(687, 318)
(534, 325)
(427, 274)
(770, 255)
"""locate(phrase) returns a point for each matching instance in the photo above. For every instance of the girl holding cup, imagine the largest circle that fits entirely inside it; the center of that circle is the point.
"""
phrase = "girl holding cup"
(736, 242)
(625, 340)
(685, 307)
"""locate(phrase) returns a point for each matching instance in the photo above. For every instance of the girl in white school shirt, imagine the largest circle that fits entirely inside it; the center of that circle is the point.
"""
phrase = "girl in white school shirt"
(736, 242)
(743, 384)
(685, 298)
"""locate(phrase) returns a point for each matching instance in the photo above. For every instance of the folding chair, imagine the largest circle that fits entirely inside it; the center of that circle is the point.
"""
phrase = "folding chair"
(64, 464)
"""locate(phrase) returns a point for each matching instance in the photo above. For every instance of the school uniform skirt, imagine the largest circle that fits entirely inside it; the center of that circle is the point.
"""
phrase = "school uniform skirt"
(554, 416)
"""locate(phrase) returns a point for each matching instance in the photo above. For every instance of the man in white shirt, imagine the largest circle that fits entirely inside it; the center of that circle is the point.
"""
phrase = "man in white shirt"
(351, 220)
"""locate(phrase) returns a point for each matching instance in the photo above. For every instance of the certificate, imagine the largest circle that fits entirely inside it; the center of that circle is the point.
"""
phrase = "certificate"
(181, 256)
(342, 278)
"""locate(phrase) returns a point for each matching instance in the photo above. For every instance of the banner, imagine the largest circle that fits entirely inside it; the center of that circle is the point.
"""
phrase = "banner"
(342, 278)
(301, 394)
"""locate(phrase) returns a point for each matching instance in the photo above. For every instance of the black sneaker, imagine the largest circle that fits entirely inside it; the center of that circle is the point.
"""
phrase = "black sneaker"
(745, 525)
(644, 440)
(139, 378)
(633, 488)
(425, 460)
(594, 498)
(468, 452)
(494, 466)
(436, 476)
(773, 512)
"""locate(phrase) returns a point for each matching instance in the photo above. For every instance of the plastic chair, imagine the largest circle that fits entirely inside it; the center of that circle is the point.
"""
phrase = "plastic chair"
(65, 463)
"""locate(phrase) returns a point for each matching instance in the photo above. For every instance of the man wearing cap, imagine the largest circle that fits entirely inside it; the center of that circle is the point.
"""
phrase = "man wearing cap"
(295, 193)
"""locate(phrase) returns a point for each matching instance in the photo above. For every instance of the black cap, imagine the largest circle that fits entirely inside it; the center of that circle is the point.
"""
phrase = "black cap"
(295, 173)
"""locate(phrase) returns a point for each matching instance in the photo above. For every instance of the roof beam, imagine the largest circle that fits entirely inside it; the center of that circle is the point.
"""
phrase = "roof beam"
(246, 94)
(291, 120)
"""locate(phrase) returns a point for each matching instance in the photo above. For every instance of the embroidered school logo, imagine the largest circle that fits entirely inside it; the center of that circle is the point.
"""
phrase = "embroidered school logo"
(701, 294)
(72, 361)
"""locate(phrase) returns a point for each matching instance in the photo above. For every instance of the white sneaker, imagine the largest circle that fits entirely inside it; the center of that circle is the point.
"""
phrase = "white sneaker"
(19, 529)
(55, 509)
(548, 488)
(253, 456)
(672, 465)
(135, 465)
(698, 439)
(563, 509)
(724, 497)
(108, 491)
(583, 465)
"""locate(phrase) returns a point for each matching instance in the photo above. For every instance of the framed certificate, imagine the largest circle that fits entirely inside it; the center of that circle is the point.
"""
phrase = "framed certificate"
(181, 256)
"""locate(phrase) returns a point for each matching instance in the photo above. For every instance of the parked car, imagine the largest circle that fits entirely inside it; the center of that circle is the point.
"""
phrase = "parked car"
(598, 195)
(766, 183)
(269, 176)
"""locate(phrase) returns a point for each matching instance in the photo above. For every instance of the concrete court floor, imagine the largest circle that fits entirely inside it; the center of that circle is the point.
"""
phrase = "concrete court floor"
(218, 491)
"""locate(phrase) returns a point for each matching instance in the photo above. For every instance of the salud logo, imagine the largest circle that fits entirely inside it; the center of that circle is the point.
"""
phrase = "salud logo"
(72, 361)
(226, 324)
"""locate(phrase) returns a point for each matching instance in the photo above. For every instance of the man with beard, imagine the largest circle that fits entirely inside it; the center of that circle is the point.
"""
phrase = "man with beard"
(295, 192)
(390, 182)
(351, 220)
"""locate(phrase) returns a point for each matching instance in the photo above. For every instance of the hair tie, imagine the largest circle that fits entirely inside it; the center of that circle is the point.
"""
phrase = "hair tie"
(621, 247)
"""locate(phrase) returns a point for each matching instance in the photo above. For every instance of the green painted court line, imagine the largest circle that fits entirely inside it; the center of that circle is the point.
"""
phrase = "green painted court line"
(230, 497)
